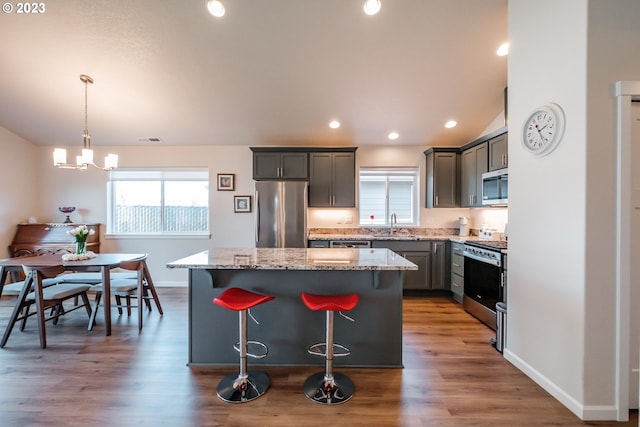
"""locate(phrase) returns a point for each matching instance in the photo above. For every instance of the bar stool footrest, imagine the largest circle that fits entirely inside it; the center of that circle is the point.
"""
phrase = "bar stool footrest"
(320, 349)
(329, 391)
(254, 346)
(235, 389)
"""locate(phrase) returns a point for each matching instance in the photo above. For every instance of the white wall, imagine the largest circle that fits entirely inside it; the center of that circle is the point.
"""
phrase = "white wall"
(19, 188)
(561, 308)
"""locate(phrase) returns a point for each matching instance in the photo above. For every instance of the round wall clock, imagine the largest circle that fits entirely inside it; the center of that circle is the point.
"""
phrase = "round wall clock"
(543, 129)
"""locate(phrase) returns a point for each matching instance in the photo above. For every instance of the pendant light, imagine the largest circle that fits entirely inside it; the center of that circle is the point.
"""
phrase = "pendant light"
(86, 158)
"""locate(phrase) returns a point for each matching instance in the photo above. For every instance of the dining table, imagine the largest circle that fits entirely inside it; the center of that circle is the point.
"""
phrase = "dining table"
(102, 262)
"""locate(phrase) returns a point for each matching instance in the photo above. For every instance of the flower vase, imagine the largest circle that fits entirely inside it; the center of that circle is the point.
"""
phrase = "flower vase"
(81, 248)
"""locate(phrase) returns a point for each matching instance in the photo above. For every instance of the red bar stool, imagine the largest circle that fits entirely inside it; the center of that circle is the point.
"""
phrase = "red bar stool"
(243, 386)
(329, 388)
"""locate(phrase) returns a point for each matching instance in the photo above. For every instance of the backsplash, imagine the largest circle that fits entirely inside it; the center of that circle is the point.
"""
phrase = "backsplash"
(384, 230)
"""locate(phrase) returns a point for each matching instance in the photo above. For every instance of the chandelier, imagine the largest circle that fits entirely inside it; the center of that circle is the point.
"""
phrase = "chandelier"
(86, 158)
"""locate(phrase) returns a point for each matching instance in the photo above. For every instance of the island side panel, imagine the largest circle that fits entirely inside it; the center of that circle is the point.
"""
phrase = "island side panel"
(287, 326)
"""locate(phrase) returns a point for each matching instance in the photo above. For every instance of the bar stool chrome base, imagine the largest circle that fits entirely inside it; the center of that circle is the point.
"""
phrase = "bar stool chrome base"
(329, 391)
(235, 389)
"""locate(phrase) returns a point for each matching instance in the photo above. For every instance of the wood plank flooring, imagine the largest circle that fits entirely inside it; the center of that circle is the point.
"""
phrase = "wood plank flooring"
(452, 377)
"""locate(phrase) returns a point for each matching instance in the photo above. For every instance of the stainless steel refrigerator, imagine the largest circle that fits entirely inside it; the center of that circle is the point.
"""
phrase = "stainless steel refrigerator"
(281, 214)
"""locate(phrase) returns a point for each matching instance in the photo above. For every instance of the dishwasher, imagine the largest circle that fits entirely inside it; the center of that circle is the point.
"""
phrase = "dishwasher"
(350, 244)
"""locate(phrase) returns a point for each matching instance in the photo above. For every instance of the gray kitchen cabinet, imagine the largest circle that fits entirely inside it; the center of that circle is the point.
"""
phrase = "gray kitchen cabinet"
(269, 164)
(474, 164)
(442, 177)
(431, 257)
(457, 270)
(439, 265)
(332, 179)
(498, 152)
(417, 279)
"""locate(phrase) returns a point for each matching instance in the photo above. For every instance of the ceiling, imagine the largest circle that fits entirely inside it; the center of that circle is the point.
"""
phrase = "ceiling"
(270, 72)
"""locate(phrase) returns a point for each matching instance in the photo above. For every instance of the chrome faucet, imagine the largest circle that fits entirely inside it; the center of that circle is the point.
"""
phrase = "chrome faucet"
(392, 221)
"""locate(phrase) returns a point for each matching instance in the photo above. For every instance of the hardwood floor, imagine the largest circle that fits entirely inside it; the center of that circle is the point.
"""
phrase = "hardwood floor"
(452, 377)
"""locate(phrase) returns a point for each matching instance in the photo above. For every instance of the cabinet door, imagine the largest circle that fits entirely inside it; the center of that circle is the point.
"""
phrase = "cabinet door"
(266, 165)
(482, 164)
(474, 164)
(294, 166)
(442, 179)
(498, 152)
(445, 181)
(439, 266)
(468, 177)
(344, 180)
(420, 278)
(332, 180)
(320, 180)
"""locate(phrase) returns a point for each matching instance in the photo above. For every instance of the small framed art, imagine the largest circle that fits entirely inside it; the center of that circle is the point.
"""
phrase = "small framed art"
(242, 203)
(226, 182)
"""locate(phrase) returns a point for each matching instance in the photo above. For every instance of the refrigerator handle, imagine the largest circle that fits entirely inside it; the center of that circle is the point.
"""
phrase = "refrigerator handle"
(257, 227)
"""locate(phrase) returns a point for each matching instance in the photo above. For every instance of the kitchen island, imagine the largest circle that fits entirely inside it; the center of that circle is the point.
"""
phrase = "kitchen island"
(286, 326)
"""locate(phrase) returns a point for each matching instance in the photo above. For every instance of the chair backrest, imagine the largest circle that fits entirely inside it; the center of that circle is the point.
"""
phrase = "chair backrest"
(44, 272)
(134, 264)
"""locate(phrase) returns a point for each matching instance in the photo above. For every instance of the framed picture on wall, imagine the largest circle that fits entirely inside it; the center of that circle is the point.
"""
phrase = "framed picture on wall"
(226, 182)
(242, 203)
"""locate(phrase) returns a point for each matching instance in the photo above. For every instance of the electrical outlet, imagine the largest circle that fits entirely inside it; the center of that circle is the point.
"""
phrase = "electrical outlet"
(349, 219)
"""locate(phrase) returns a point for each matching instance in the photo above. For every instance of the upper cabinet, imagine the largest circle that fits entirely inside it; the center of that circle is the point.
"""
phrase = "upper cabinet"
(331, 171)
(474, 164)
(498, 152)
(482, 155)
(332, 179)
(442, 177)
(270, 163)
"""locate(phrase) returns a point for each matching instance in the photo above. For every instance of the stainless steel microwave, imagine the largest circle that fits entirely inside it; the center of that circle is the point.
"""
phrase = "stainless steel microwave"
(495, 187)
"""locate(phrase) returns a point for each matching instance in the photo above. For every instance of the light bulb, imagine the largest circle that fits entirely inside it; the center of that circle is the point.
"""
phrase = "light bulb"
(503, 50)
(371, 7)
(59, 156)
(216, 8)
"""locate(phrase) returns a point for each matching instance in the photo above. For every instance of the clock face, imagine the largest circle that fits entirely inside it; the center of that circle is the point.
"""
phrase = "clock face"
(543, 129)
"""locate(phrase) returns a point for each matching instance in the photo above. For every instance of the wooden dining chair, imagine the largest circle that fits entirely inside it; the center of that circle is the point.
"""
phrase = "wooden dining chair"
(140, 288)
(35, 293)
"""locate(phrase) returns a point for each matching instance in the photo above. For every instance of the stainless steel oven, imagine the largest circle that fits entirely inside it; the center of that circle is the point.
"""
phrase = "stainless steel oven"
(483, 279)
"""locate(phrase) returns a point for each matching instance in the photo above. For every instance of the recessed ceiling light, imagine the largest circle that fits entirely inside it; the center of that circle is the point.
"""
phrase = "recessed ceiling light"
(334, 124)
(371, 7)
(503, 50)
(216, 8)
(393, 135)
(450, 124)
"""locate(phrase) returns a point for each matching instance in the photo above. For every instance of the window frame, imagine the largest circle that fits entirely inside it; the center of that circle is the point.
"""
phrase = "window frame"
(390, 172)
(162, 175)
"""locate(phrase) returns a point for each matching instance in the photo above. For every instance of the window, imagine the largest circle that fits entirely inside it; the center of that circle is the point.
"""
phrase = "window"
(384, 191)
(158, 201)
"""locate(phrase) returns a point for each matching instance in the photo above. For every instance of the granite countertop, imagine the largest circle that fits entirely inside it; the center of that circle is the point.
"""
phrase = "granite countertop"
(295, 259)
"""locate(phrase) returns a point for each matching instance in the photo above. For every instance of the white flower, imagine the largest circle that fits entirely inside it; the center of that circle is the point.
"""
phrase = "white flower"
(81, 231)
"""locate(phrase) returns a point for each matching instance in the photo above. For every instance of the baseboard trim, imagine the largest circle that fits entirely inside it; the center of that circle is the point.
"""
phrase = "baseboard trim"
(585, 413)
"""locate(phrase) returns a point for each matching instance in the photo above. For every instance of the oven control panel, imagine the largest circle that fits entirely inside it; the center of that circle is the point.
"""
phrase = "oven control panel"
(484, 255)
